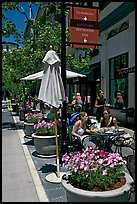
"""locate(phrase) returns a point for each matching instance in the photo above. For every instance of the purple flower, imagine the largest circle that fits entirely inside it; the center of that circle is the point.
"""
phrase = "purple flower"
(90, 167)
(44, 127)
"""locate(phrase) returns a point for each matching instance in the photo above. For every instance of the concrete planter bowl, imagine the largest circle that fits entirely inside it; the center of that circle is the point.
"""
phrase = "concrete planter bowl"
(45, 145)
(119, 195)
(29, 129)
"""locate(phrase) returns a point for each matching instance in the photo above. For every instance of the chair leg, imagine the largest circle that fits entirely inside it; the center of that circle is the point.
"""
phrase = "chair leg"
(118, 150)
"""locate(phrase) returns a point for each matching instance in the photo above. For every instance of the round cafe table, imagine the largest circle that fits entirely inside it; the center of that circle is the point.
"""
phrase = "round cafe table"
(102, 139)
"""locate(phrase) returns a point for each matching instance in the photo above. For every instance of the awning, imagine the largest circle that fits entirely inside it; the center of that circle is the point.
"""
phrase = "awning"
(90, 72)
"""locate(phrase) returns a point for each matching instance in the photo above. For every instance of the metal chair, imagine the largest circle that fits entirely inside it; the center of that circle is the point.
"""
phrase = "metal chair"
(73, 145)
(121, 141)
(77, 144)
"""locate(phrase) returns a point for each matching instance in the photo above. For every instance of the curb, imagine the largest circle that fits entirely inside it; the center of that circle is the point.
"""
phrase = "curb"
(35, 176)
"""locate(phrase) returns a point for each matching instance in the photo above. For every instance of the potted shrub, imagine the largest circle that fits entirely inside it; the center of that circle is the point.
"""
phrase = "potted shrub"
(96, 176)
(44, 138)
(23, 109)
(30, 120)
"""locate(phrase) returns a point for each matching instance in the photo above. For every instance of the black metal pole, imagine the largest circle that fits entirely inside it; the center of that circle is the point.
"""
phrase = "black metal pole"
(64, 146)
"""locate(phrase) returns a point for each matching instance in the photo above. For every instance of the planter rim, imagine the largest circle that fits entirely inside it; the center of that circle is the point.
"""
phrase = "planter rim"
(43, 136)
(125, 188)
(27, 123)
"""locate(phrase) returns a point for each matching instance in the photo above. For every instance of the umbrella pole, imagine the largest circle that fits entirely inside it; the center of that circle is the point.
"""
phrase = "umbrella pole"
(57, 153)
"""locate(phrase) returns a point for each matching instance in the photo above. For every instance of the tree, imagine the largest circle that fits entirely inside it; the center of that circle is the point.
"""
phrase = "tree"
(27, 59)
(35, 40)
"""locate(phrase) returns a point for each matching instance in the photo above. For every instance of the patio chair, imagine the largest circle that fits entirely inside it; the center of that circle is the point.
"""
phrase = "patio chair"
(77, 145)
(125, 141)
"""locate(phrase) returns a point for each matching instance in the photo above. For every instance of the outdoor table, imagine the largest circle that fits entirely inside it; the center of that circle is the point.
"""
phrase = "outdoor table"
(102, 138)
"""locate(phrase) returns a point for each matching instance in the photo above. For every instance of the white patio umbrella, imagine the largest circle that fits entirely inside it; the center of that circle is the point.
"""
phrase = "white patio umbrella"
(38, 75)
(52, 93)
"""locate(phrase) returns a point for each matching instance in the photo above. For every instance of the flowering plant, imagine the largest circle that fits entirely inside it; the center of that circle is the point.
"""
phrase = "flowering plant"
(44, 128)
(33, 118)
(21, 107)
(26, 107)
(94, 169)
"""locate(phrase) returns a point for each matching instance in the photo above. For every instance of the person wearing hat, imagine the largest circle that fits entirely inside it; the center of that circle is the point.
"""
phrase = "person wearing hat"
(79, 100)
(78, 97)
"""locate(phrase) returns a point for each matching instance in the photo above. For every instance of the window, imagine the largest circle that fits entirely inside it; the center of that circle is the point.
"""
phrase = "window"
(118, 82)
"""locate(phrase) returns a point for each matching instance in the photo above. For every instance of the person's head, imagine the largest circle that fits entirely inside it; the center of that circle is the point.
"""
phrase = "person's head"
(73, 97)
(106, 112)
(69, 109)
(77, 108)
(83, 116)
(78, 94)
(100, 93)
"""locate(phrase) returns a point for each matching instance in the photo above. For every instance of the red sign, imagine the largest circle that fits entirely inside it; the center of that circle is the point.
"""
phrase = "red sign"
(86, 14)
(84, 27)
(83, 35)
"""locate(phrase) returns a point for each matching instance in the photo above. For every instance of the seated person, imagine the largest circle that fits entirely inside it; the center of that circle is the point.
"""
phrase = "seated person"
(50, 115)
(69, 112)
(74, 115)
(107, 120)
(79, 129)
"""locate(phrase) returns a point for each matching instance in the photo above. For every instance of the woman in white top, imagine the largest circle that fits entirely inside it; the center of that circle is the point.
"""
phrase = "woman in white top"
(80, 126)
(79, 136)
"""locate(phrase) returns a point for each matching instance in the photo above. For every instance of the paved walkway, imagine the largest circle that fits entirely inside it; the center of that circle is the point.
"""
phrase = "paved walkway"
(20, 179)
(23, 172)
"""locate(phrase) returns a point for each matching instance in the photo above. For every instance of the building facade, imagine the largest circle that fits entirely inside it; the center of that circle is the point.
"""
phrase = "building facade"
(112, 65)
(117, 53)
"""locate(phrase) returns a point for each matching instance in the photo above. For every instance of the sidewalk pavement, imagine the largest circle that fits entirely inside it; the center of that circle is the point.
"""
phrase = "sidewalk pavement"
(20, 180)
(23, 172)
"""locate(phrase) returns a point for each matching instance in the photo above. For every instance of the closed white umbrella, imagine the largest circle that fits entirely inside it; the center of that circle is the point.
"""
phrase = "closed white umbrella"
(52, 93)
(52, 90)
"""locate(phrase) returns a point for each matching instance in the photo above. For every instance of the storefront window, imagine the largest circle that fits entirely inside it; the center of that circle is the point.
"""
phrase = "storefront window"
(118, 82)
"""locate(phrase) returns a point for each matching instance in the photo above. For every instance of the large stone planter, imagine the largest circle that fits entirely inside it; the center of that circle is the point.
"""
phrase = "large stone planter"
(29, 129)
(45, 145)
(77, 195)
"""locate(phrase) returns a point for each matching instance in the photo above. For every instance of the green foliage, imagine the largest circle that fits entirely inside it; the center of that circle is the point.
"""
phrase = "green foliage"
(44, 128)
(93, 168)
(28, 59)
(76, 65)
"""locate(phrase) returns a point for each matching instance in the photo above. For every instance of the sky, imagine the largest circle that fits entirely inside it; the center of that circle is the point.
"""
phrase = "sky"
(18, 19)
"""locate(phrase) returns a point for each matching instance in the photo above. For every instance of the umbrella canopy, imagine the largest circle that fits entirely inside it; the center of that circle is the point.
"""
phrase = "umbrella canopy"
(52, 90)
(38, 75)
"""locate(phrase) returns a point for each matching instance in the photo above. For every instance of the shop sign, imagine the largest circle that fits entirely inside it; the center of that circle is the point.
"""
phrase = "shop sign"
(84, 26)
(127, 70)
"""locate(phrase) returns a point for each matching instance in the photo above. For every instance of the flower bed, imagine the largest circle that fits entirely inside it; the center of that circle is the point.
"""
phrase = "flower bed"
(95, 170)
(34, 118)
(44, 128)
